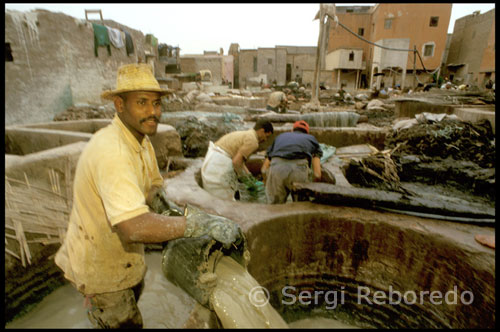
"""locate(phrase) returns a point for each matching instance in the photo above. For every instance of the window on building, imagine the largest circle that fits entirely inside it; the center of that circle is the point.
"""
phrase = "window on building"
(434, 21)
(349, 10)
(254, 64)
(351, 56)
(429, 50)
(388, 23)
(361, 31)
(8, 53)
(269, 61)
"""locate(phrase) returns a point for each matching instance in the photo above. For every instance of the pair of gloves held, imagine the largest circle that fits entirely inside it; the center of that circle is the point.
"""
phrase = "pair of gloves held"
(199, 223)
(250, 182)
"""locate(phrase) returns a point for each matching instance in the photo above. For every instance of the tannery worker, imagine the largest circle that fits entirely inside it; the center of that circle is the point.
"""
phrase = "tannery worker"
(277, 102)
(116, 182)
(289, 159)
(225, 160)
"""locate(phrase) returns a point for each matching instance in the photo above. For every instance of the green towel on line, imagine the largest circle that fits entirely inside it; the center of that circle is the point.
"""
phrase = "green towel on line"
(101, 38)
(150, 38)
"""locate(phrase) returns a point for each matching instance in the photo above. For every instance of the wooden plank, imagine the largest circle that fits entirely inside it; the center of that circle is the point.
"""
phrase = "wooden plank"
(373, 198)
(10, 252)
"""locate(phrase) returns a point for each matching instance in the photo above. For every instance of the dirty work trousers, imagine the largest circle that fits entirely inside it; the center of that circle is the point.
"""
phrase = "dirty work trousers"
(281, 176)
(217, 173)
(115, 309)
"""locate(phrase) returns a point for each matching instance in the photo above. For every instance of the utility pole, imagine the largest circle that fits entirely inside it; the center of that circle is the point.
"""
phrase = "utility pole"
(315, 85)
(324, 10)
(414, 67)
(276, 64)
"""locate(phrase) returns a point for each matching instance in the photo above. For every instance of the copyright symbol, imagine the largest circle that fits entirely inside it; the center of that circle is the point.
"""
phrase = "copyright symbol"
(258, 296)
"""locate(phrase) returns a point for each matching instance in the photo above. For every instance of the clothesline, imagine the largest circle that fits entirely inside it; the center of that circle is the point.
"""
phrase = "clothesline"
(107, 36)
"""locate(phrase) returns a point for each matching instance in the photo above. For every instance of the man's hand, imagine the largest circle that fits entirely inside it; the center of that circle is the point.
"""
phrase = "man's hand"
(199, 223)
(249, 181)
(158, 202)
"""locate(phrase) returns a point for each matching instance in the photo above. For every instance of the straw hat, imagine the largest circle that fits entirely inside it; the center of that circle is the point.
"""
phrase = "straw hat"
(135, 77)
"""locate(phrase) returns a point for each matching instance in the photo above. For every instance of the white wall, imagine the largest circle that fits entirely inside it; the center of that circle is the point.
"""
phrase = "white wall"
(339, 59)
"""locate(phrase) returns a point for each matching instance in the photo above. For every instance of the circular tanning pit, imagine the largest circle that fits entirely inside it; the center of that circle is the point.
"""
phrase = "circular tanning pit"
(371, 273)
(310, 251)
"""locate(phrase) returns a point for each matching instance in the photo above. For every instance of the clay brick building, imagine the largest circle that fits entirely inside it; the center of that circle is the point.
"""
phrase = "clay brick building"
(355, 62)
(471, 58)
(50, 63)
(281, 64)
(264, 63)
(220, 65)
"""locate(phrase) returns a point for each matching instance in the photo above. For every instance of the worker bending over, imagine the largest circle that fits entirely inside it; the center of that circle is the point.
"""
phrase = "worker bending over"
(277, 102)
(288, 160)
(225, 160)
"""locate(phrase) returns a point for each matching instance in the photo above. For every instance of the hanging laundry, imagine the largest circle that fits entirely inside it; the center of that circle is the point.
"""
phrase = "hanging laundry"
(115, 37)
(101, 38)
(129, 45)
(151, 39)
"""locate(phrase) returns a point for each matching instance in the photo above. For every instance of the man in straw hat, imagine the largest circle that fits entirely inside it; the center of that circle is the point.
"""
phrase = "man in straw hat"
(116, 182)
(288, 160)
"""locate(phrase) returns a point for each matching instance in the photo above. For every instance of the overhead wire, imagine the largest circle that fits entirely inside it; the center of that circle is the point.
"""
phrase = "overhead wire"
(367, 41)
(384, 47)
(431, 73)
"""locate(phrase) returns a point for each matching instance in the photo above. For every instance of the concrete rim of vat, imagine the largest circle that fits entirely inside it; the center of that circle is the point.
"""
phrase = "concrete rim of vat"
(312, 246)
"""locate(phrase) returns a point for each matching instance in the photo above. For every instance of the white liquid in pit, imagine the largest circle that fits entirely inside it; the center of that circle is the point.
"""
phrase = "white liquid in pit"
(231, 301)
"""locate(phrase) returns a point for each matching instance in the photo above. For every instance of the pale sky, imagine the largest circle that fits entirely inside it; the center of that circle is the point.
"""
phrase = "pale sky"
(198, 27)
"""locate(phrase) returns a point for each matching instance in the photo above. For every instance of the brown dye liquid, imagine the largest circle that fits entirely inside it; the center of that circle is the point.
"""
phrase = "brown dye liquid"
(164, 305)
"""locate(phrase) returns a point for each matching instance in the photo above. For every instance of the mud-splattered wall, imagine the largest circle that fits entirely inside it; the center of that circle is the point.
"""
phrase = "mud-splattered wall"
(54, 66)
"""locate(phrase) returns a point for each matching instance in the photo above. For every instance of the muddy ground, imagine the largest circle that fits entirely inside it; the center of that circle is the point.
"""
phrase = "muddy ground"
(446, 158)
(456, 156)
(450, 153)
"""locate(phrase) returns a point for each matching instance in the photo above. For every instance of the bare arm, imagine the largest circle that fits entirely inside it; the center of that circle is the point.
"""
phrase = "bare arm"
(151, 228)
(239, 164)
(264, 168)
(152, 193)
(316, 166)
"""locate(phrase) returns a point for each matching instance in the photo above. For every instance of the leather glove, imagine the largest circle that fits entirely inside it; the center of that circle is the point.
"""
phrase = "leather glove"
(161, 205)
(223, 230)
